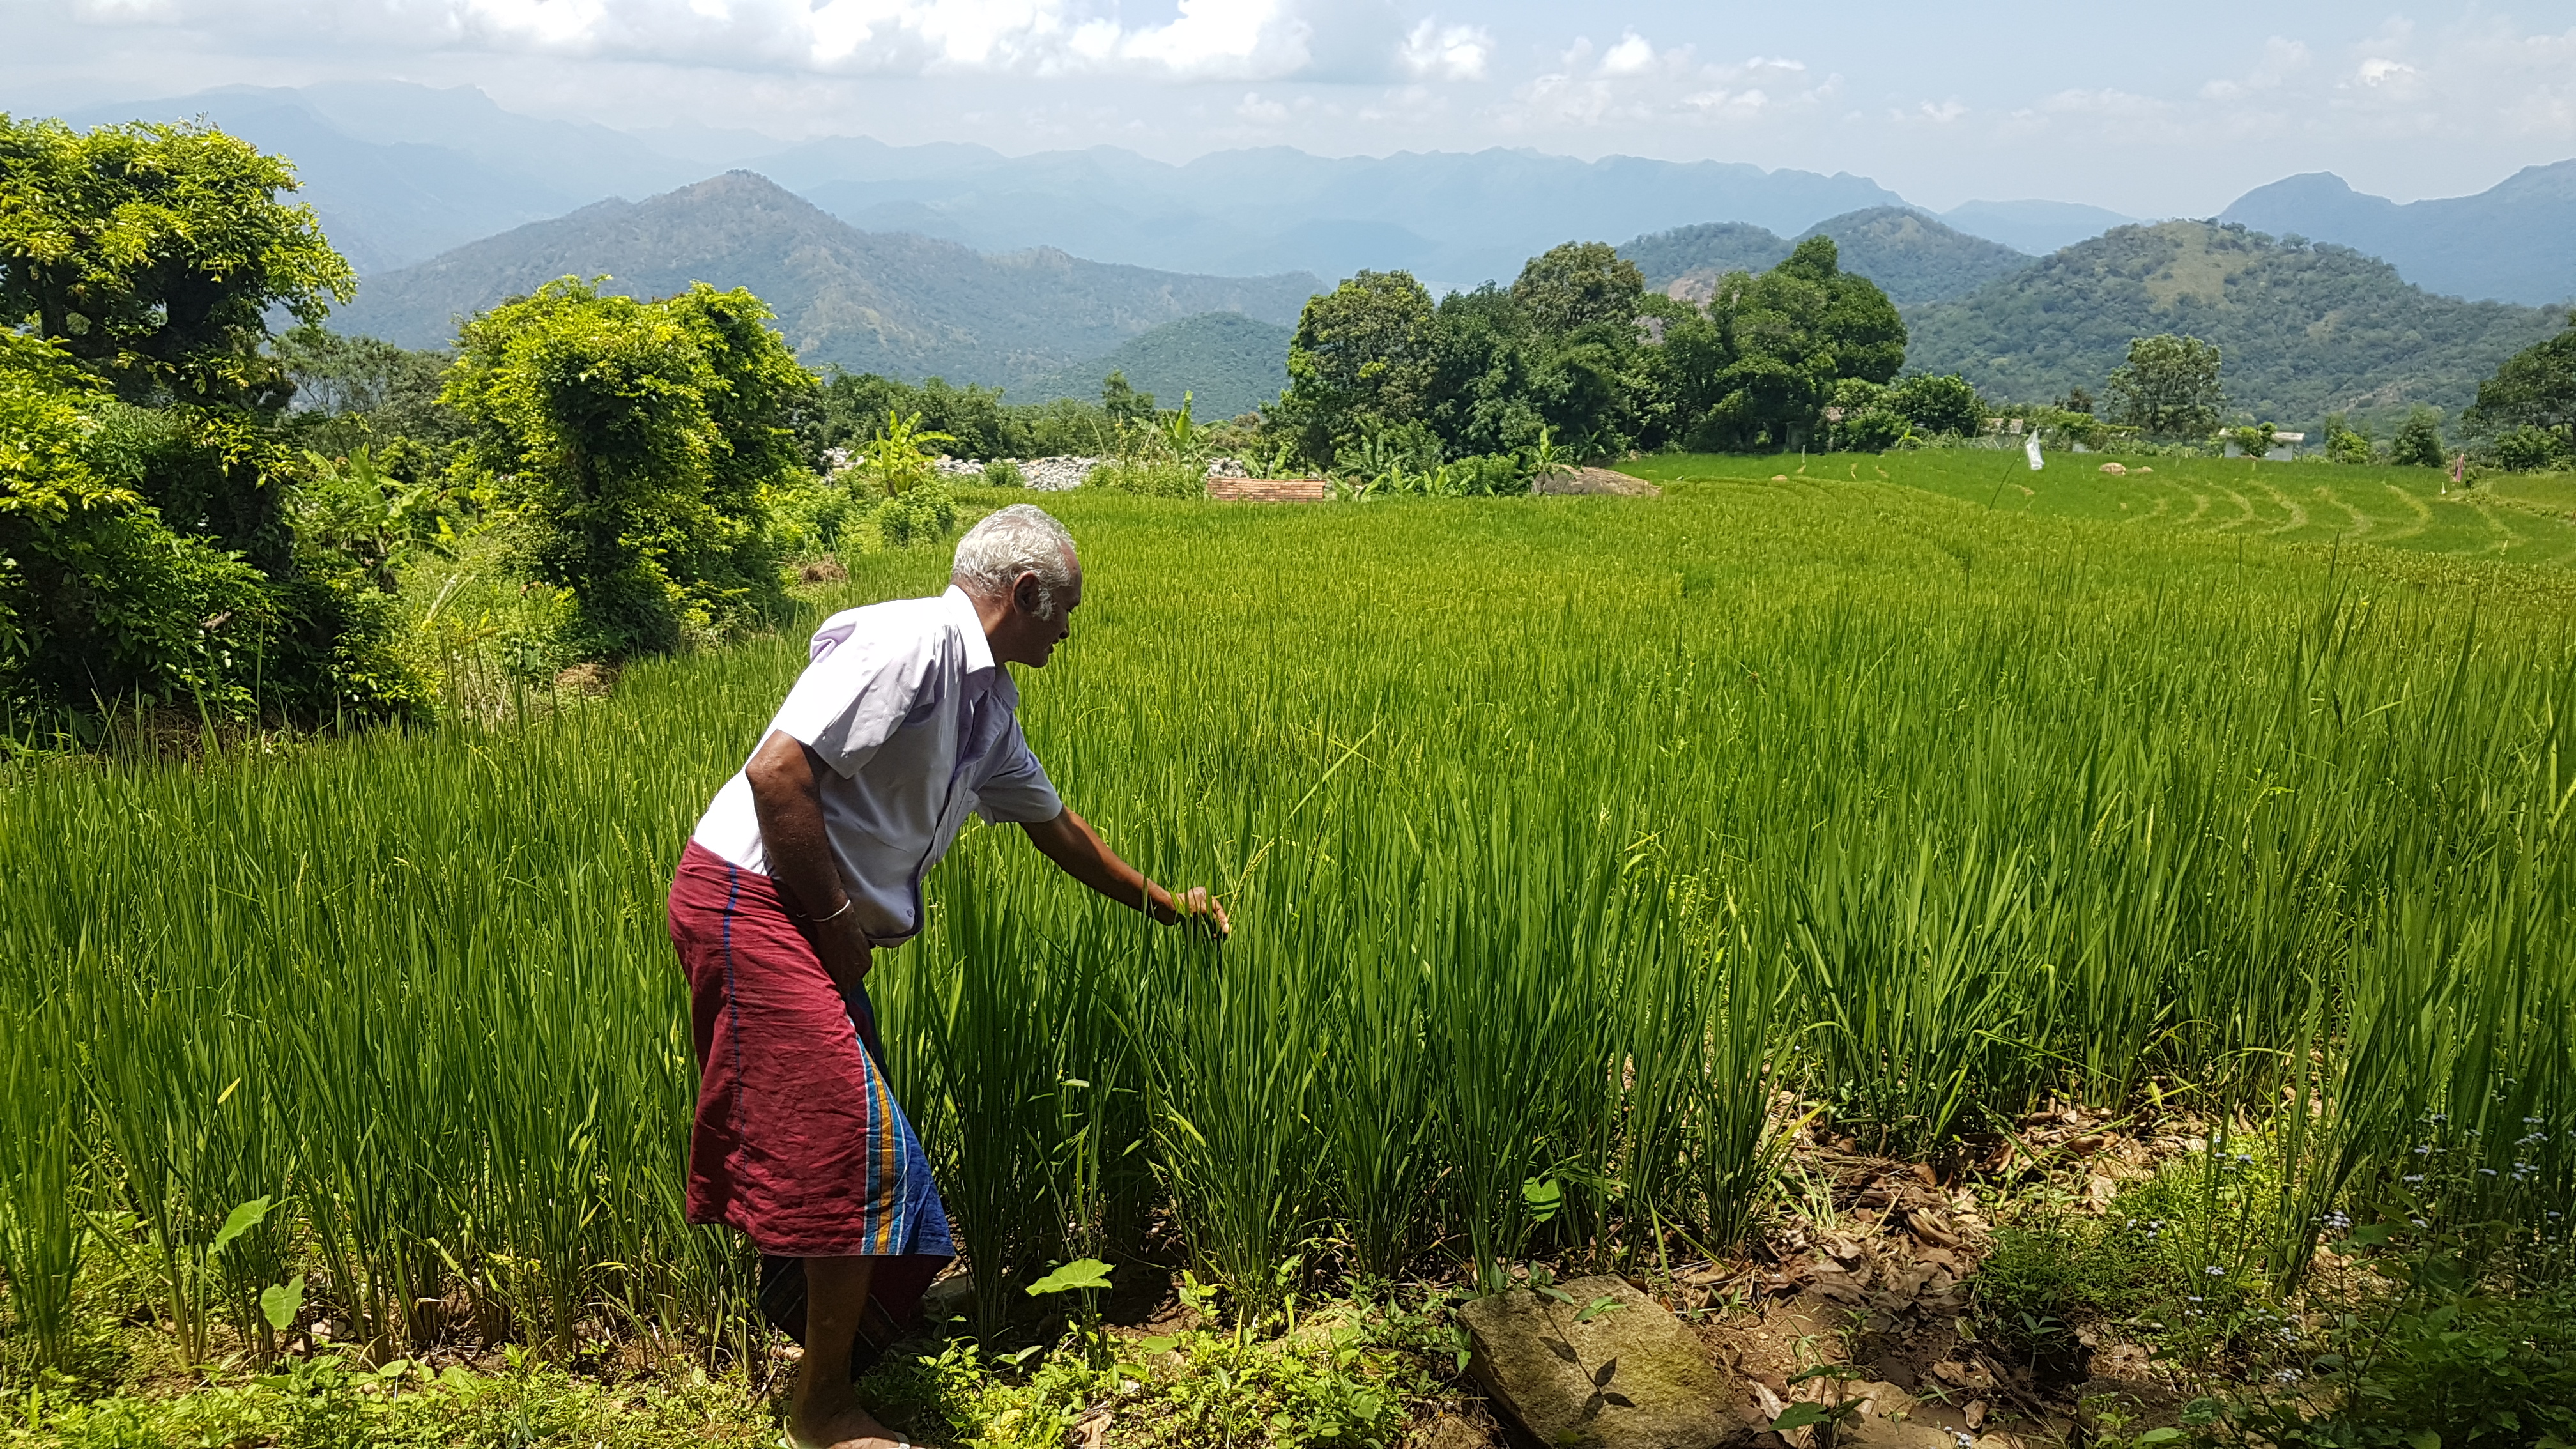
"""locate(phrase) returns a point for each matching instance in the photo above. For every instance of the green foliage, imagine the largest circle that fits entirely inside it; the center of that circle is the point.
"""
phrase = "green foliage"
(1236, 364)
(2345, 443)
(358, 392)
(332, 1403)
(1003, 473)
(354, 507)
(1337, 1383)
(849, 408)
(1761, 370)
(2418, 444)
(1150, 478)
(1361, 354)
(1939, 405)
(2535, 388)
(152, 253)
(2529, 449)
(630, 443)
(2306, 330)
(1909, 256)
(923, 514)
(1576, 285)
(2168, 387)
(1123, 404)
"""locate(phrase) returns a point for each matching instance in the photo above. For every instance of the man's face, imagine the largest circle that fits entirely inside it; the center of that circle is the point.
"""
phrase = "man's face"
(1032, 638)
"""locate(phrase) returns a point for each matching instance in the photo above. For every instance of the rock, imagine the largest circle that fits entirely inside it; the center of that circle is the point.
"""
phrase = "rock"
(1631, 1378)
(1449, 1432)
(2113, 468)
(950, 1297)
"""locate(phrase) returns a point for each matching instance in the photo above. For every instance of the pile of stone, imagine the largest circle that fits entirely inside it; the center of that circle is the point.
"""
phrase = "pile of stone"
(958, 468)
(1054, 475)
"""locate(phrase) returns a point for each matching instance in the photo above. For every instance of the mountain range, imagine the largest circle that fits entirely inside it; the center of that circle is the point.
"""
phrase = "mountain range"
(888, 302)
(2305, 328)
(2516, 240)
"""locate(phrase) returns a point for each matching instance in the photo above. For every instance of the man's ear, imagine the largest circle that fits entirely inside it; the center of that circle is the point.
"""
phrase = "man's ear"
(1024, 593)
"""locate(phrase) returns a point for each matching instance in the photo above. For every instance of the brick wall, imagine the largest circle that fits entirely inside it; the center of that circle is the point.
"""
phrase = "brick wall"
(1271, 490)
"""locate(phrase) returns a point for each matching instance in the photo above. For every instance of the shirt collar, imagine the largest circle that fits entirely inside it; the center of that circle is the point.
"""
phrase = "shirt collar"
(979, 650)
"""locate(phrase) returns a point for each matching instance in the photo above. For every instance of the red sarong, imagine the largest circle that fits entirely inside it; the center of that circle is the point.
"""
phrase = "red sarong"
(797, 1141)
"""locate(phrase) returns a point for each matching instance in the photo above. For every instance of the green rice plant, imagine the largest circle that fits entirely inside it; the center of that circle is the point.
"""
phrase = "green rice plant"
(44, 1180)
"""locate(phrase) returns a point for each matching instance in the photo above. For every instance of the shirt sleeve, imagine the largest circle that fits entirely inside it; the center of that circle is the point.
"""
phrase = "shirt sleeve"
(852, 700)
(1017, 791)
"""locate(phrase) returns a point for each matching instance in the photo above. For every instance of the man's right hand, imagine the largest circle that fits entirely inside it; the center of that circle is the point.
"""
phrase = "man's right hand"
(846, 951)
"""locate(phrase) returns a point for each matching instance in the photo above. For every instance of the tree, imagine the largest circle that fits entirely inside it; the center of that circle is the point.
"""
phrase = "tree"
(2418, 444)
(1939, 404)
(630, 441)
(155, 253)
(99, 599)
(1361, 351)
(1122, 402)
(150, 258)
(1578, 285)
(2346, 443)
(1784, 340)
(2168, 388)
(2535, 388)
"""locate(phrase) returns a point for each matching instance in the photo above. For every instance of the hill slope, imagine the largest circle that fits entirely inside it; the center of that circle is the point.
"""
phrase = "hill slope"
(1912, 257)
(906, 306)
(2305, 330)
(1230, 362)
(2513, 242)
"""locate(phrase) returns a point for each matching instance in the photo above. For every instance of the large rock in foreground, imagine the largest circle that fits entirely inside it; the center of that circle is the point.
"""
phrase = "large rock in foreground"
(1631, 1377)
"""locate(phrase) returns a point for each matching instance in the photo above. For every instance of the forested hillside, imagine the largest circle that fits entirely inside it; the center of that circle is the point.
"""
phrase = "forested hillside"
(2306, 329)
(1912, 257)
(907, 306)
(1232, 363)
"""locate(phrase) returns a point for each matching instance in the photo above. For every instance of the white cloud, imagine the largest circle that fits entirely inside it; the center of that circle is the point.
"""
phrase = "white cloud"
(1631, 56)
(1260, 112)
(1433, 51)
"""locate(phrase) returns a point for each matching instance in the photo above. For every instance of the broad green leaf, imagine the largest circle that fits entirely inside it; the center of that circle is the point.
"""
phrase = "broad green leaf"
(239, 1221)
(1600, 1307)
(2424, 1439)
(280, 1302)
(1080, 1273)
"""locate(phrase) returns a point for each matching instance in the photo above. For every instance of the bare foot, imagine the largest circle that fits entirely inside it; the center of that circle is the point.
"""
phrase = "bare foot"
(852, 1428)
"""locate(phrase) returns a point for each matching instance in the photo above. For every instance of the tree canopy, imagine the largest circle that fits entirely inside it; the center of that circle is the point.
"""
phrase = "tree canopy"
(2535, 388)
(1577, 352)
(2168, 387)
(154, 253)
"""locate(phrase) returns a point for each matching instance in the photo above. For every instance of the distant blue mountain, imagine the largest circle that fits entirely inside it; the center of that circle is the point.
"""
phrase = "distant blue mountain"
(2513, 242)
(2037, 227)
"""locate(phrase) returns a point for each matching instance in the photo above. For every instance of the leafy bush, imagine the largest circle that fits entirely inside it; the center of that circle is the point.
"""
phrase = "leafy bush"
(1484, 475)
(2529, 449)
(1150, 479)
(2344, 443)
(632, 442)
(1939, 404)
(1003, 473)
(921, 514)
(2419, 443)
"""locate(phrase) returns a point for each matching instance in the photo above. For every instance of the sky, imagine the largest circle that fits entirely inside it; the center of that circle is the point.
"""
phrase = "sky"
(2173, 109)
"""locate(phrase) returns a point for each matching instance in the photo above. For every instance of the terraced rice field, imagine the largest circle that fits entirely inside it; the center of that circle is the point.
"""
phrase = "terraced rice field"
(2524, 520)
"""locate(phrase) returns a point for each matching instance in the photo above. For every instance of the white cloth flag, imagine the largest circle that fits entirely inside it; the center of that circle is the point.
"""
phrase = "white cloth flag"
(2030, 446)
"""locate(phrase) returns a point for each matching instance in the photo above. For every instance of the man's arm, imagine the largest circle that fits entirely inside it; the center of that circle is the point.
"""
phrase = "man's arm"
(786, 794)
(1078, 851)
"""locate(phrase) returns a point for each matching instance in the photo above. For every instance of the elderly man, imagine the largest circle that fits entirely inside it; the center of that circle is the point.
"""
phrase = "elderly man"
(810, 859)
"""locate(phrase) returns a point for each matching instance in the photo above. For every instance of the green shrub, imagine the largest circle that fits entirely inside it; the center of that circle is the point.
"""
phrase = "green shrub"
(1939, 404)
(1003, 473)
(1483, 475)
(2419, 443)
(1151, 480)
(923, 513)
(2528, 449)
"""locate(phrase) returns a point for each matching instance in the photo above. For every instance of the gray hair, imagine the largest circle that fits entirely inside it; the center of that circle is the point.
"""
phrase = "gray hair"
(1020, 539)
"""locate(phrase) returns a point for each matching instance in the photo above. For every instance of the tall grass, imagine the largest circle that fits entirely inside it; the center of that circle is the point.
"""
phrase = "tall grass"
(1572, 842)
